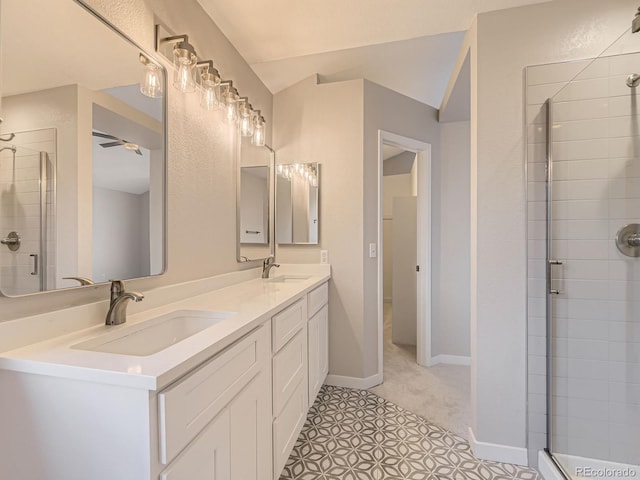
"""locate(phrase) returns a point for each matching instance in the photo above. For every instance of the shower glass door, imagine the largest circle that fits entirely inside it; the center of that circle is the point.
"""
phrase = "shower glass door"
(25, 198)
(593, 279)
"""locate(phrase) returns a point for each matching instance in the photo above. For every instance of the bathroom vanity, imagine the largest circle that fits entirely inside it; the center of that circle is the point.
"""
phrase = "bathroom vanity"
(226, 401)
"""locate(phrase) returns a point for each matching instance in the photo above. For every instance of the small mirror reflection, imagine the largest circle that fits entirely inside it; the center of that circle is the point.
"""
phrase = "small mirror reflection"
(297, 199)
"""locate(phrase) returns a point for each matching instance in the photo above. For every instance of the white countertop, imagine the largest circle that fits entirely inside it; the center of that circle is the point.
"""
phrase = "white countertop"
(254, 302)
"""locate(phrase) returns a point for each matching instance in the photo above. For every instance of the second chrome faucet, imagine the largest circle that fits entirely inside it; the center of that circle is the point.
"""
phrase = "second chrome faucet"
(267, 264)
(117, 313)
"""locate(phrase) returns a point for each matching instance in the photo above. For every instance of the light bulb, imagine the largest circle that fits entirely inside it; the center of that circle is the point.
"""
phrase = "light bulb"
(183, 80)
(229, 98)
(258, 133)
(210, 96)
(151, 84)
(246, 118)
(184, 61)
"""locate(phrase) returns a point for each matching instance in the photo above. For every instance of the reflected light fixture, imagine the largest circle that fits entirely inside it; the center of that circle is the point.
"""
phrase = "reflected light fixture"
(210, 82)
(151, 84)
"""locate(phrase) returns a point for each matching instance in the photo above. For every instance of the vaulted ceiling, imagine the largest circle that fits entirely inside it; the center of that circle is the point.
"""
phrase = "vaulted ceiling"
(407, 45)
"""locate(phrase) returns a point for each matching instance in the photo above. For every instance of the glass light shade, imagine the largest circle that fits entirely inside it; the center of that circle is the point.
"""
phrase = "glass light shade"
(210, 95)
(151, 84)
(230, 106)
(258, 133)
(246, 120)
(184, 61)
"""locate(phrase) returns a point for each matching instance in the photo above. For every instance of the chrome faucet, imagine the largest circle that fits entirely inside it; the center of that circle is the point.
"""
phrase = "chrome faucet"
(117, 313)
(267, 264)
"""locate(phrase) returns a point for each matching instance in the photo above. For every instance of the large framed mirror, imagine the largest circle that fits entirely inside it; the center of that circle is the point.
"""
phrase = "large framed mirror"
(82, 150)
(297, 203)
(255, 206)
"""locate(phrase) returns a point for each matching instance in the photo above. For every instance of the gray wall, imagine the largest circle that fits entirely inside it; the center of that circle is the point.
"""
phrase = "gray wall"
(123, 216)
(387, 110)
(451, 323)
(323, 123)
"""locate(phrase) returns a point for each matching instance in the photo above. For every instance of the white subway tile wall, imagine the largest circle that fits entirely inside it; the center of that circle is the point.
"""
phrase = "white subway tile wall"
(20, 210)
(596, 190)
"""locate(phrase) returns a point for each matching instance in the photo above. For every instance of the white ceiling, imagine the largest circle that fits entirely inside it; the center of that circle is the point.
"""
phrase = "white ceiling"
(406, 45)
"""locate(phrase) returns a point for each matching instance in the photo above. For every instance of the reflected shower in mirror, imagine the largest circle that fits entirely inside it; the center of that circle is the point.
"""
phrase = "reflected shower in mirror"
(85, 189)
(297, 203)
(254, 202)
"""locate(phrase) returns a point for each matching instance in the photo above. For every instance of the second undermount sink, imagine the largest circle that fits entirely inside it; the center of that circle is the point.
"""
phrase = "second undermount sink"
(152, 336)
(289, 278)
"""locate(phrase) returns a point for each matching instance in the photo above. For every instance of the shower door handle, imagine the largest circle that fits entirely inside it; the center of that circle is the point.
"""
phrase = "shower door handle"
(35, 263)
(553, 291)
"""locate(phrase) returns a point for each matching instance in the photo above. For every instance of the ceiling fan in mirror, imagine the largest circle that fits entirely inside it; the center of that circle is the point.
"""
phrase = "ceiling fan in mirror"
(117, 142)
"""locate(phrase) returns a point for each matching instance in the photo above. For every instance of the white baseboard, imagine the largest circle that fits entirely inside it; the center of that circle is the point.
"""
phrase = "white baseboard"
(498, 453)
(547, 468)
(450, 360)
(354, 382)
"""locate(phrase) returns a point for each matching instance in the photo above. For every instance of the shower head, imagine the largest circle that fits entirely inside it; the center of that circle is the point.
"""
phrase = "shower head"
(635, 25)
(633, 80)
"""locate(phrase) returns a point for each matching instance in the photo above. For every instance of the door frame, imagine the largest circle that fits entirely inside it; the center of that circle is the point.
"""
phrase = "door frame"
(423, 159)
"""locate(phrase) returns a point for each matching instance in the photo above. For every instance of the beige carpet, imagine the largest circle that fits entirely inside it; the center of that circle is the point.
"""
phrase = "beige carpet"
(440, 394)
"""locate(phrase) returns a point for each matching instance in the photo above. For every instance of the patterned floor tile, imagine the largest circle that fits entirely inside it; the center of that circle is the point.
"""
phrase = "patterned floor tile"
(356, 435)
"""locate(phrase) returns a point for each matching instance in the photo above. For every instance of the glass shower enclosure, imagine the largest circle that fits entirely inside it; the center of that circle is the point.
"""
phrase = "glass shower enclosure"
(593, 267)
(27, 184)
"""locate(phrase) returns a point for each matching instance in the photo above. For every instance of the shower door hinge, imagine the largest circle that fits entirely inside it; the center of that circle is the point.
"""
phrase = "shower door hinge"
(417, 268)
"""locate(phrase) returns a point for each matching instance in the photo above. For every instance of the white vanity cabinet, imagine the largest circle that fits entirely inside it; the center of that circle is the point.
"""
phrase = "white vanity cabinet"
(318, 339)
(212, 423)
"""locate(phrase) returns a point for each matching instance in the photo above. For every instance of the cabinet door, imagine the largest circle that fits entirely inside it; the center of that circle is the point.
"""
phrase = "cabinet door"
(287, 427)
(318, 351)
(250, 433)
(208, 456)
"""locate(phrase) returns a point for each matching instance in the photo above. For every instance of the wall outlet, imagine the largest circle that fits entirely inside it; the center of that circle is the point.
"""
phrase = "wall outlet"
(373, 250)
(324, 256)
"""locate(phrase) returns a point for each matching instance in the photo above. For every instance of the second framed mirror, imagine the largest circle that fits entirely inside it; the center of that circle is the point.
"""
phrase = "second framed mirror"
(297, 204)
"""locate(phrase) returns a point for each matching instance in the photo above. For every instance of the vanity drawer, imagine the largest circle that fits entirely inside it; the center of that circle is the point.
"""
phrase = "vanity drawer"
(317, 298)
(289, 369)
(287, 323)
(187, 406)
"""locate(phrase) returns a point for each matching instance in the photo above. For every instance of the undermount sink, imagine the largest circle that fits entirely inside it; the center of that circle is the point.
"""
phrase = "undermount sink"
(289, 278)
(152, 336)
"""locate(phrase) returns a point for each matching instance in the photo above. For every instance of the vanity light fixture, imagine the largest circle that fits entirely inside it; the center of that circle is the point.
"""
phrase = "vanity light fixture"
(151, 84)
(191, 74)
(210, 82)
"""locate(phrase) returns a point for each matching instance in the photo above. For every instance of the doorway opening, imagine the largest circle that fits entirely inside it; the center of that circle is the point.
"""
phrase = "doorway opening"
(407, 207)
